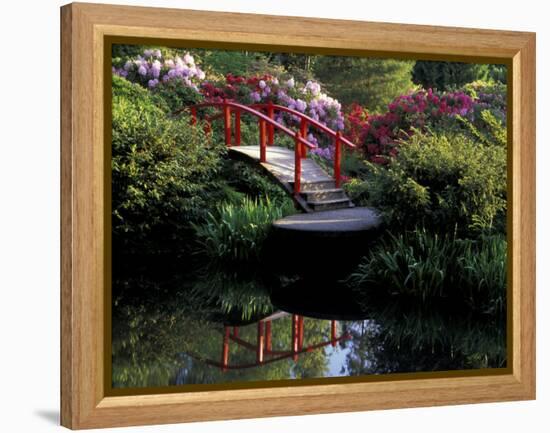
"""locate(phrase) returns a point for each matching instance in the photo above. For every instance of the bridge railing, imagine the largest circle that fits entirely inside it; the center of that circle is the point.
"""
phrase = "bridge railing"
(267, 126)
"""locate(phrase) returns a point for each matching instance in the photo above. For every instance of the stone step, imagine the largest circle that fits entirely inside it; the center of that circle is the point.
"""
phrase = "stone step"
(324, 194)
(315, 186)
(330, 204)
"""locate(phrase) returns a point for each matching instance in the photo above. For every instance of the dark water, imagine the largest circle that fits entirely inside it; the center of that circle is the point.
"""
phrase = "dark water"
(220, 327)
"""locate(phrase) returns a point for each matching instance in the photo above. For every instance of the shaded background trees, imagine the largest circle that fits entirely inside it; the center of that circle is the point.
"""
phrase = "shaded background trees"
(373, 83)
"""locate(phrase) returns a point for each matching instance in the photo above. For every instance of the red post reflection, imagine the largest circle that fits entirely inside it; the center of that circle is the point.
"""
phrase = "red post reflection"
(268, 336)
(264, 342)
(225, 349)
(333, 333)
(260, 343)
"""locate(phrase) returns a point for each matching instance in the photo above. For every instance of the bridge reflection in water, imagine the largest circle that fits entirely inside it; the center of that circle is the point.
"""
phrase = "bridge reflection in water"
(263, 346)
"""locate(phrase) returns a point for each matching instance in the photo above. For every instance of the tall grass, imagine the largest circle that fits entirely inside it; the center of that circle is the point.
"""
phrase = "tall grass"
(431, 267)
(236, 232)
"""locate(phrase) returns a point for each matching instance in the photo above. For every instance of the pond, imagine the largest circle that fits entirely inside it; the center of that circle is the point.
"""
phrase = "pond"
(220, 328)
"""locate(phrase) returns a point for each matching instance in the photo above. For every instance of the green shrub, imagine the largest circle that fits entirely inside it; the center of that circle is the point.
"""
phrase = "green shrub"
(164, 172)
(358, 191)
(429, 267)
(488, 120)
(248, 180)
(124, 89)
(177, 95)
(221, 62)
(236, 232)
(445, 181)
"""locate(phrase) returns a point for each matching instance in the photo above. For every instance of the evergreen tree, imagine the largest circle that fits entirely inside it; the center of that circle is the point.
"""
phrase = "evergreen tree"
(451, 75)
(373, 83)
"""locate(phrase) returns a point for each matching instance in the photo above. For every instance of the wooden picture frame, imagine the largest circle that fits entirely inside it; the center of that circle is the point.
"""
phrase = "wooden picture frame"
(85, 261)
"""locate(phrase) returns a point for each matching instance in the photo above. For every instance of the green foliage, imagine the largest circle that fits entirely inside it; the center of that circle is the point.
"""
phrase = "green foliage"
(222, 62)
(373, 83)
(233, 294)
(300, 66)
(447, 75)
(164, 171)
(487, 129)
(248, 180)
(236, 232)
(428, 267)
(445, 181)
(121, 52)
(176, 95)
(405, 338)
(124, 90)
(352, 162)
(498, 73)
(358, 191)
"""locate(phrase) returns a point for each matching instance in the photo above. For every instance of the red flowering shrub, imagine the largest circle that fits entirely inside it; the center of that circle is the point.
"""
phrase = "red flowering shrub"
(379, 134)
(355, 121)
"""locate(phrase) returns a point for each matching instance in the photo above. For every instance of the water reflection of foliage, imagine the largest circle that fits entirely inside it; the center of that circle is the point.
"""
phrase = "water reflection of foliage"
(439, 304)
(155, 334)
(146, 332)
(242, 297)
(409, 338)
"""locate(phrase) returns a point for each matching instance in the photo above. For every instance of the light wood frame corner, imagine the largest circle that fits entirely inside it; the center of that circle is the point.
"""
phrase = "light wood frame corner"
(84, 28)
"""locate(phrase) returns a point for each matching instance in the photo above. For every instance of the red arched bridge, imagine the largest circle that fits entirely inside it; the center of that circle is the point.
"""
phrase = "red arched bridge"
(311, 187)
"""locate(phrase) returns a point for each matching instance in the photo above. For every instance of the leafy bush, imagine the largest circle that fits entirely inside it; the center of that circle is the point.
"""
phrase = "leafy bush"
(236, 232)
(151, 69)
(164, 172)
(380, 135)
(489, 96)
(487, 129)
(487, 122)
(248, 180)
(478, 108)
(177, 94)
(445, 181)
(428, 266)
(222, 62)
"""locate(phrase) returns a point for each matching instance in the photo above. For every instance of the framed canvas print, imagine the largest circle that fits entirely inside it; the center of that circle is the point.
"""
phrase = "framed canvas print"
(269, 216)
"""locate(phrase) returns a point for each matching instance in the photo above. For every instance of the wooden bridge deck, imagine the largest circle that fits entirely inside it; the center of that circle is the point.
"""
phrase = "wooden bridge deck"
(280, 163)
(319, 191)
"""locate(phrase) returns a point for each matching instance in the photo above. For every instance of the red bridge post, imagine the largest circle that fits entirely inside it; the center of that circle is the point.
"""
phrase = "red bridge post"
(297, 163)
(303, 132)
(193, 115)
(227, 123)
(270, 128)
(263, 149)
(337, 159)
(237, 127)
